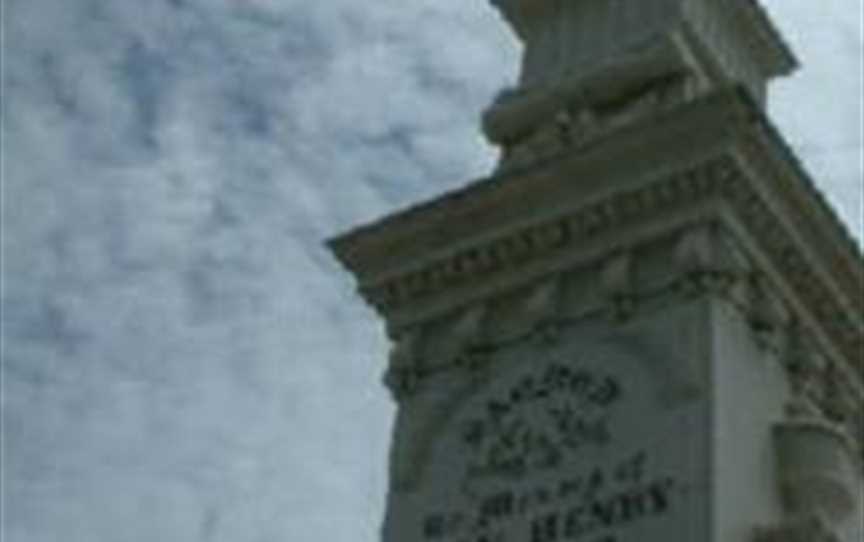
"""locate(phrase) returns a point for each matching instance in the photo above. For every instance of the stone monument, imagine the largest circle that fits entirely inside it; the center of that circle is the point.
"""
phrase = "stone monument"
(646, 325)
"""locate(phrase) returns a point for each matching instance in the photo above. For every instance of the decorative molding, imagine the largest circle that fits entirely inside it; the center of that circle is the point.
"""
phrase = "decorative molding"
(757, 189)
(536, 241)
(619, 286)
(820, 392)
(820, 396)
(803, 367)
(795, 269)
(719, 179)
(465, 349)
(767, 316)
(403, 375)
(541, 310)
(465, 340)
(621, 67)
(781, 291)
(533, 127)
(700, 264)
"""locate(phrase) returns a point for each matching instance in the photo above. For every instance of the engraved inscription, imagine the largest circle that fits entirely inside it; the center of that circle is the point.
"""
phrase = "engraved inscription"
(541, 462)
(572, 403)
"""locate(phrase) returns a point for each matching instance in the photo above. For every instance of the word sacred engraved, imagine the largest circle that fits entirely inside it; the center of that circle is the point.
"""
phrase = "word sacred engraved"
(524, 478)
(573, 403)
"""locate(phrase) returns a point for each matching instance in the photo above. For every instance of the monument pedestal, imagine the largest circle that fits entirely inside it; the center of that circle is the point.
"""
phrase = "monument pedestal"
(651, 332)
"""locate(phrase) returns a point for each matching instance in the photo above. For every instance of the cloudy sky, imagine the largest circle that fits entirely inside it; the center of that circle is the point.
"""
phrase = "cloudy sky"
(183, 360)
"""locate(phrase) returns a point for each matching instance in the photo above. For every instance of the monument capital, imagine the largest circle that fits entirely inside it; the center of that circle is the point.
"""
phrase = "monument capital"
(646, 324)
(584, 60)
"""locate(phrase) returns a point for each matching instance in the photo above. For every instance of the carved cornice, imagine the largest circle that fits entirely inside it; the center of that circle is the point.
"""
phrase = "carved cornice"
(517, 248)
(698, 267)
(753, 185)
(769, 37)
(775, 241)
(715, 179)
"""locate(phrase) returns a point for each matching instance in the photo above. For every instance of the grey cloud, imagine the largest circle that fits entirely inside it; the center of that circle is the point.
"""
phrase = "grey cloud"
(183, 360)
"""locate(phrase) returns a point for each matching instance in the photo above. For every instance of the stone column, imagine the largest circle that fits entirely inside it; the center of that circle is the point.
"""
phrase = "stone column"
(644, 327)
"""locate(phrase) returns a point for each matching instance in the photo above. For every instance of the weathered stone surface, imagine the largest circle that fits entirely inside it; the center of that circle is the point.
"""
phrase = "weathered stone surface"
(586, 61)
(646, 325)
(576, 440)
